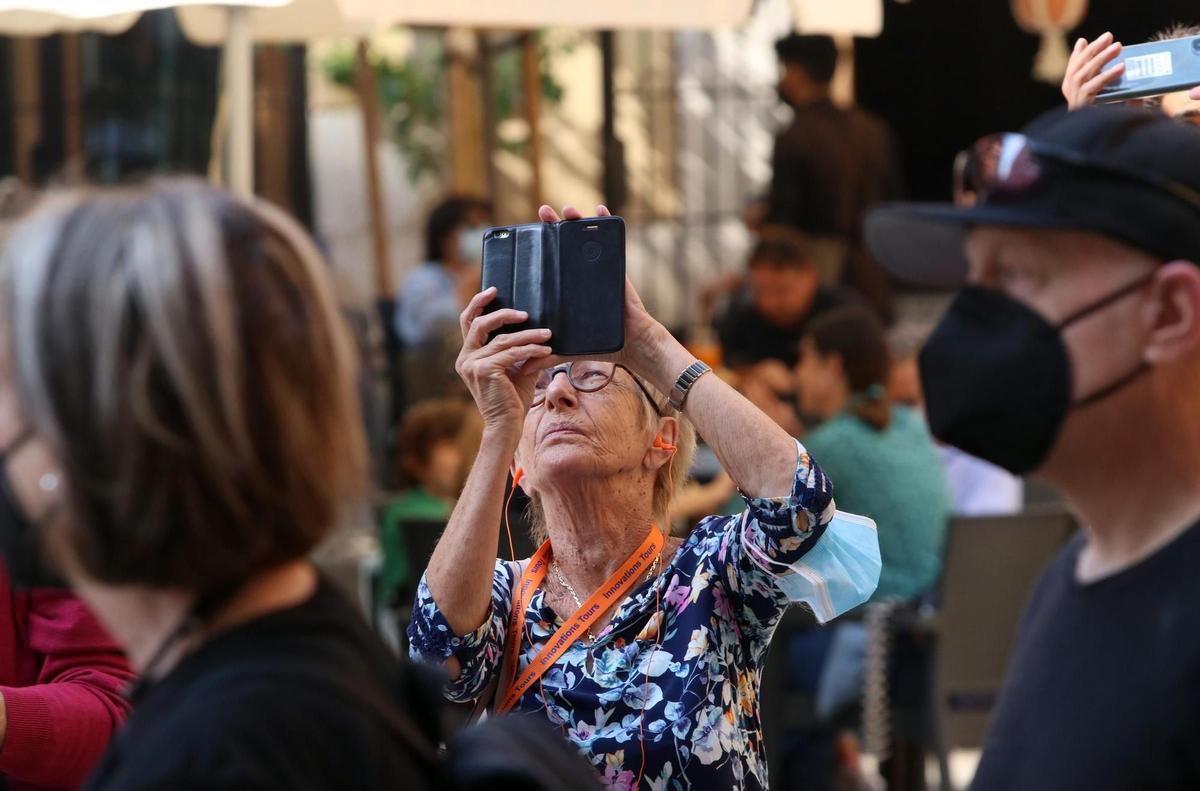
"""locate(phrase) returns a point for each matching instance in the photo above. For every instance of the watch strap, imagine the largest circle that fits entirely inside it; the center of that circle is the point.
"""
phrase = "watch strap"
(684, 383)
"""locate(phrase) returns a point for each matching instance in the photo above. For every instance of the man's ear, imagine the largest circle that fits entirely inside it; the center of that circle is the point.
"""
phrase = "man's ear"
(1172, 317)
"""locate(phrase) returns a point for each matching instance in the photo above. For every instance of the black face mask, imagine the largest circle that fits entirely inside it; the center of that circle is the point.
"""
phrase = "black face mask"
(997, 377)
(20, 539)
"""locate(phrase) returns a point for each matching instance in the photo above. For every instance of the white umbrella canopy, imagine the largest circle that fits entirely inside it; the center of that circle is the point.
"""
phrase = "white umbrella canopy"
(510, 14)
(42, 23)
(299, 21)
(40, 17)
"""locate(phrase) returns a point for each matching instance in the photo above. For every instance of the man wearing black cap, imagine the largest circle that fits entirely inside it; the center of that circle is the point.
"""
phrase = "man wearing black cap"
(1073, 352)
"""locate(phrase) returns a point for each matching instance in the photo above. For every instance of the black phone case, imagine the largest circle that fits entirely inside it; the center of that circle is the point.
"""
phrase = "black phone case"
(569, 276)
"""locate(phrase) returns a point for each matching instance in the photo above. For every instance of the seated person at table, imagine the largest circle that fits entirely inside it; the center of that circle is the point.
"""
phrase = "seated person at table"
(887, 468)
(781, 295)
(426, 317)
(885, 461)
(429, 458)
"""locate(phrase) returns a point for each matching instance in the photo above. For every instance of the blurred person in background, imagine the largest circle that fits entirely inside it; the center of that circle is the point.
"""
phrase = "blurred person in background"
(887, 469)
(1072, 353)
(435, 292)
(62, 677)
(429, 459)
(760, 330)
(977, 487)
(185, 419)
(885, 460)
(1086, 75)
(830, 165)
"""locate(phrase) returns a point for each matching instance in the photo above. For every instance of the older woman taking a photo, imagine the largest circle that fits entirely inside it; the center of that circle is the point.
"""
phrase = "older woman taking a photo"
(646, 650)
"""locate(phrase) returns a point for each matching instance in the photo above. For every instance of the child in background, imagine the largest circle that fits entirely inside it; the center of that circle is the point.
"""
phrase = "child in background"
(428, 461)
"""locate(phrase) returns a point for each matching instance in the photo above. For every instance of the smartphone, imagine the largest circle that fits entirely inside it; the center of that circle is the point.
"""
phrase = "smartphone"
(569, 276)
(1154, 69)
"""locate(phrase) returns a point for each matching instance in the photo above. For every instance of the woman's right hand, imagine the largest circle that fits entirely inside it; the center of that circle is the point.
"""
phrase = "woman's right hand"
(1086, 74)
(500, 374)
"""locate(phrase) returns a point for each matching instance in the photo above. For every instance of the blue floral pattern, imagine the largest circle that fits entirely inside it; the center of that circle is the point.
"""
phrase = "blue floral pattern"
(712, 610)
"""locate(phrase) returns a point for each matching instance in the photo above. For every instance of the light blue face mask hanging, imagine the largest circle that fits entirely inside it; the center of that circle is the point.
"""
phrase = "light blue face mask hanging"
(839, 573)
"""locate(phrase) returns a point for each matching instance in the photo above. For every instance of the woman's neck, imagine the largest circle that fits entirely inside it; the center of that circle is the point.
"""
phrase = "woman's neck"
(594, 527)
(142, 619)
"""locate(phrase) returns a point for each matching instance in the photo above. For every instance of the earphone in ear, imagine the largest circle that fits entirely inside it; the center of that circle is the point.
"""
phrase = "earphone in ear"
(662, 444)
(518, 474)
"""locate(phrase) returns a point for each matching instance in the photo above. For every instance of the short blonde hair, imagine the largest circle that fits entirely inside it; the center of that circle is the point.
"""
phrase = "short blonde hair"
(182, 353)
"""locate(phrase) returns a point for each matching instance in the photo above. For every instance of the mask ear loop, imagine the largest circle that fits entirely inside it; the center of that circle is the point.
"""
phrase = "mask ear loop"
(1083, 313)
(661, 444)
(1104, 302)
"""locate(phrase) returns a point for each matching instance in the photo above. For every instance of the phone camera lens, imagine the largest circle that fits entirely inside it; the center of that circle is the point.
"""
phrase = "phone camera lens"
(592, 252)
(1196, 45)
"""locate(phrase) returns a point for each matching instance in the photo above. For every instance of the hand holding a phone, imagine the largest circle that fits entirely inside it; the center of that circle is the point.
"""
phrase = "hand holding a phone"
(500, 373)
(1086, 74)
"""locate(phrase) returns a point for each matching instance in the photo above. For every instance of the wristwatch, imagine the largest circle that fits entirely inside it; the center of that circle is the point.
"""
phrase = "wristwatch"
(684, 383)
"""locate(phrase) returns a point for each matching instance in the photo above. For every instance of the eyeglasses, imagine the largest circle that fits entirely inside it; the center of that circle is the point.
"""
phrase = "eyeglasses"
(586, 376)
(1009, 164)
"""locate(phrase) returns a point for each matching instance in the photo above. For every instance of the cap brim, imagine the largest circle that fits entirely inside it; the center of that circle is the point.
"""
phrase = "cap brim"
(924, 243)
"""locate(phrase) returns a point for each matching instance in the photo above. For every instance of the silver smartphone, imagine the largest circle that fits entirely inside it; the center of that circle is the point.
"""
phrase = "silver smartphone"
(1155, 68)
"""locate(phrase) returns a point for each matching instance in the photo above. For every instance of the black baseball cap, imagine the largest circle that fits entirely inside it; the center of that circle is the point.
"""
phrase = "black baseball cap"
(1132, 175)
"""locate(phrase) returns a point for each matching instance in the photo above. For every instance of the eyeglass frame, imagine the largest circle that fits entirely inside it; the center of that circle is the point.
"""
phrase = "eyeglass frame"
(568, 367)
(1072, 159)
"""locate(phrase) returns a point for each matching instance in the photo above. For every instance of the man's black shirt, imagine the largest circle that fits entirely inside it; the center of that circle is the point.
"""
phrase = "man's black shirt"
(1103, 691)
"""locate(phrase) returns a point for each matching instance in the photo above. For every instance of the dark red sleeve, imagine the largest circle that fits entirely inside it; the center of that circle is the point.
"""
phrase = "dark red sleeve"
(58, 728)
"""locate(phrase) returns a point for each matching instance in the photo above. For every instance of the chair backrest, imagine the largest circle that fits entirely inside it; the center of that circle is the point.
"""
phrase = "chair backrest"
(420, 537)
(991, 565)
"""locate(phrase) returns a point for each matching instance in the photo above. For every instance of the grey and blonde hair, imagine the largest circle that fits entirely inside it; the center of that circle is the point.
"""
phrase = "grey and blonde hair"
(183, 355)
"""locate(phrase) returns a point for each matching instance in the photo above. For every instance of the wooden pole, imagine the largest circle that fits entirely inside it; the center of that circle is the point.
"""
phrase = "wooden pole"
(239, 87)
(531, 73)
(468, 163)
(491, 127)
(72, 104)
(368, 100)
(27, 104)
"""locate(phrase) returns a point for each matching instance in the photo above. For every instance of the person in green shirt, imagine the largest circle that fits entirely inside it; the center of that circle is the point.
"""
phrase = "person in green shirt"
(428, 462)
(881, 454)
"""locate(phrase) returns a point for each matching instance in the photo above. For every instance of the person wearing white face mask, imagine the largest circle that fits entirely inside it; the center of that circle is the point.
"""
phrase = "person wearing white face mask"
(434, 293)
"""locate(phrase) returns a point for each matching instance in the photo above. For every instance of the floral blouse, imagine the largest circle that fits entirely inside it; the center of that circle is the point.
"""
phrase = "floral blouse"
(714, 609)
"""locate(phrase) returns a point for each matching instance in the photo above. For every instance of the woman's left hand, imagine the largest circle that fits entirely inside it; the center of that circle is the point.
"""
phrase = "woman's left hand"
(643, 333)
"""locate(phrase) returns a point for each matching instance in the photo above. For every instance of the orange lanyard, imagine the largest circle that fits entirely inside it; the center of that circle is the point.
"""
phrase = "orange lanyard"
(600, 602)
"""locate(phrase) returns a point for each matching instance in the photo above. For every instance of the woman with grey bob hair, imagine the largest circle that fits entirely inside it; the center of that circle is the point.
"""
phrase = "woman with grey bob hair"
(182, 429)
(644, 649)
